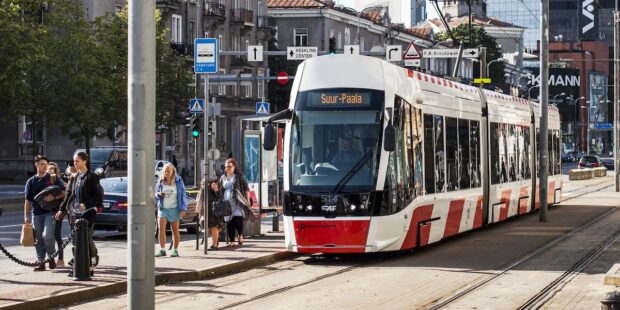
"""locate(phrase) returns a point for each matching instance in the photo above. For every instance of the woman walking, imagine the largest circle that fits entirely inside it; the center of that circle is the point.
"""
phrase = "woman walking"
(52, 169)
(171, 206)
(84, 196)
(215, 223)
(236, 191)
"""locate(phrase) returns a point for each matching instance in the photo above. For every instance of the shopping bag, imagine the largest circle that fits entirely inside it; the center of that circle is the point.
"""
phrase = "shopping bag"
(27, 237)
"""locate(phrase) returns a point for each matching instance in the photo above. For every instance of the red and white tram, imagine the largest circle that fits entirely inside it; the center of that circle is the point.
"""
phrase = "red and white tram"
(462, 158)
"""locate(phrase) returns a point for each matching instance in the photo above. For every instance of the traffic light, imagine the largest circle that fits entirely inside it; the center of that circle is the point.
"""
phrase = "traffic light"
(332, 45)
(211, 128)
(195, 127)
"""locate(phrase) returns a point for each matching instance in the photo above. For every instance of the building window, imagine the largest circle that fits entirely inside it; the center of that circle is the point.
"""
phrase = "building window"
(339, 41)
(192, 31)
(118, 8)
(347, 36)
(177, 29)
(301, 36)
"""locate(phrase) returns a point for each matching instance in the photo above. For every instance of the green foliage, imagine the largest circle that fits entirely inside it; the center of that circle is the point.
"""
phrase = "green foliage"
(479, 38)
(58, 65)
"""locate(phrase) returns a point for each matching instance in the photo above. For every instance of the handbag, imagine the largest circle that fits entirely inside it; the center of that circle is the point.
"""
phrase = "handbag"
(27, 237)
(222, 208)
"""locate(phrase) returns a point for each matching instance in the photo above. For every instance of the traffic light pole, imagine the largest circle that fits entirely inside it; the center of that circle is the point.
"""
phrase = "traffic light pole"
(544, 110)
(205, 147)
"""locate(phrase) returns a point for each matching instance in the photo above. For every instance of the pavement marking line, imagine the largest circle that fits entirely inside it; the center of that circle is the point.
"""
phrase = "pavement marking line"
(541, 249)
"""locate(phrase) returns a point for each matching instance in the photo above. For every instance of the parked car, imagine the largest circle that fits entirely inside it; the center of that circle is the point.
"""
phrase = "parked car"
(568, 157)
(105, 161)
(590, 161)
(608, 163)
(113, 215)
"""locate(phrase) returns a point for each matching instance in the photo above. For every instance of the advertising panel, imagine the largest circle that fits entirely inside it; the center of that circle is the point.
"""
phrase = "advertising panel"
(561, 80)
(588, 19)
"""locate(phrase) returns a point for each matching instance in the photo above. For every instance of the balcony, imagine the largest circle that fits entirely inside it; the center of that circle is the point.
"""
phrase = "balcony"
(242, 16)
(264, 22)
(183, 48)
(167, 4)
(215, 9)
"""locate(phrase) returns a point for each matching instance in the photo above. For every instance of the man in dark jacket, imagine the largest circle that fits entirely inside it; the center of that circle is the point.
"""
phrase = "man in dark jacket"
(42, 218)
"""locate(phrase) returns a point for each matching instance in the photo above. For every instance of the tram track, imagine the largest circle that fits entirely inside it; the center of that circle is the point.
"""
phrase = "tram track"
(556, 285)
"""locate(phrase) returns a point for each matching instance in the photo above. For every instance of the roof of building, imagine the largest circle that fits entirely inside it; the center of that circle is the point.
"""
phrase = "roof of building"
(476, 20)
(299, 3)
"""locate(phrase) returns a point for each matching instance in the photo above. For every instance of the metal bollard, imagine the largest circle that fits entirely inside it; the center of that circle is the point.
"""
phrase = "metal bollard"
(611, 301)
(81, 255)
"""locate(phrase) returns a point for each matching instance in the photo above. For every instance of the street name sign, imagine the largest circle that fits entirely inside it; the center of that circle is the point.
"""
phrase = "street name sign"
(449, 53)
(255, 53)
(393, 53)
(262, 108)
(351, 50)
(301, 52)
(205, 55)
(196, 105)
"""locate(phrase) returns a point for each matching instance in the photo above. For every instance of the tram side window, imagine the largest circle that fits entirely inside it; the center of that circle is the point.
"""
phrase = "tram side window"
(495, 169)
(395, 182)
(429, 155)
(418, 177)
(550, 152)
(511, 143)
(452, 150)
(527, 154)
(474, 151)
(558, 154)
(465, 160)
(438, 135)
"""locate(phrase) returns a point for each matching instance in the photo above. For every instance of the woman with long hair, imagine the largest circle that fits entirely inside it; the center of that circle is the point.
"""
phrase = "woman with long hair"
(52, 169)
(171, 206)
(215, 223)
(237, 192)
(84, 196)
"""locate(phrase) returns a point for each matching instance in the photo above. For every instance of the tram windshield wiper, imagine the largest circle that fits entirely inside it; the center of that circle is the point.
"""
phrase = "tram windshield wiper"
(360, 163)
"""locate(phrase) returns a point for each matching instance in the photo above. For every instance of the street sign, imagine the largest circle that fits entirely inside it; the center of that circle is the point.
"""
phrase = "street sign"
(282, 78)
(196, 105)
(449, 53)
(301, 52)
(255, 53)
(393, 53)
(603, 126)
(262, 108)
(205, 55)
(412, 52)
(351, 50)
(482, 81)
(412, 62)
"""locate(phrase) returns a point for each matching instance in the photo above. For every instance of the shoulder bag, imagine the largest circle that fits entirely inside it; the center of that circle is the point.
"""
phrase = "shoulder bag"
(222, 208)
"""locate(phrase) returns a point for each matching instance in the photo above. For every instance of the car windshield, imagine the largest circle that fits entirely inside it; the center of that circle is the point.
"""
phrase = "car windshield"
(114, 185)
(99, 156)
(335, 139)
(590, 159)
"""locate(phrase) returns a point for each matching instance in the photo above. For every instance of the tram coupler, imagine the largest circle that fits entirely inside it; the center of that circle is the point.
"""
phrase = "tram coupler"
(611, 301)
(81, 255)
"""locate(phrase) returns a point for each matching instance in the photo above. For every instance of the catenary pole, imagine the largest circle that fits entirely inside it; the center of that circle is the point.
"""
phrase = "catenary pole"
(617, 97)
(544, 115)
(141, 140)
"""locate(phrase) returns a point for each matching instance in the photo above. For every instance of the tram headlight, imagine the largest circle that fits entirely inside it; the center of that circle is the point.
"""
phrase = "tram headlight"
(309, 207)
(353, 207)
(300, 207)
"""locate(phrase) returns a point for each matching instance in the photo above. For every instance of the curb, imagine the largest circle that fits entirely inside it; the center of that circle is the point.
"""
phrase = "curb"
(97, 292)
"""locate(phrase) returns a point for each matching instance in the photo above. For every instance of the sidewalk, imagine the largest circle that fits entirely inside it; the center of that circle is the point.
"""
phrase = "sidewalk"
(21, 288)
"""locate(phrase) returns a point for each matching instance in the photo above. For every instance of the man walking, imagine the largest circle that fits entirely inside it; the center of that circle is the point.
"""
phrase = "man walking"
(42, 219)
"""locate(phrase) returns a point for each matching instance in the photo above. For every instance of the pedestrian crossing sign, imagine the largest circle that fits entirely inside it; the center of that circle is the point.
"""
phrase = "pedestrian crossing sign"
(195, 105)
(262, 108)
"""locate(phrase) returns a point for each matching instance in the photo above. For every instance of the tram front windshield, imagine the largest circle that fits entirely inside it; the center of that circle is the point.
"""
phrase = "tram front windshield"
(335, 140)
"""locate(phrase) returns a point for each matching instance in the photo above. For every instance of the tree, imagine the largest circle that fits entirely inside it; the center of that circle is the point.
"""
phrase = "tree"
(480, 38)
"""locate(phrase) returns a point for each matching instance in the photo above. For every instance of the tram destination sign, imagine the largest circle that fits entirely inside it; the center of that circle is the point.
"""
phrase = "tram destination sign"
(449, 53)
(301, 52)
(339, 99)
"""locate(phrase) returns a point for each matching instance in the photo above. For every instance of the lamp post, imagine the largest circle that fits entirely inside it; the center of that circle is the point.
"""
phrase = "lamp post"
(575, 102)
(588, 125)
(489, 65)
(562, 94)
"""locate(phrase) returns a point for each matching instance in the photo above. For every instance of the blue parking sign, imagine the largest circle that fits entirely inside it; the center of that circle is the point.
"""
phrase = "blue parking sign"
(205, 55)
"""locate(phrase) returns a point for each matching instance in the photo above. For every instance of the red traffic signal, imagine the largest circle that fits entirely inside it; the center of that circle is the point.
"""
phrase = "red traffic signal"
(282, 78)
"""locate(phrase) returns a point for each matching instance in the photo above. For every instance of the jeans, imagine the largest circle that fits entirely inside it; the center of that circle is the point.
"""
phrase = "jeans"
(44, 235)
(58, 237)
